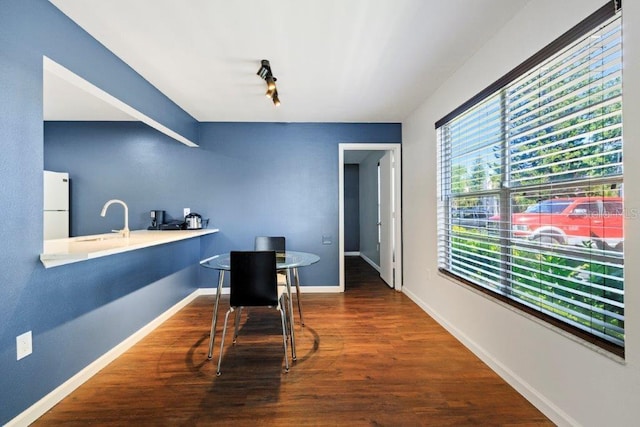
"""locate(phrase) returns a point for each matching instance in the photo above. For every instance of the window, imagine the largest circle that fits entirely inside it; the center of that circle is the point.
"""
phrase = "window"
(539, 152)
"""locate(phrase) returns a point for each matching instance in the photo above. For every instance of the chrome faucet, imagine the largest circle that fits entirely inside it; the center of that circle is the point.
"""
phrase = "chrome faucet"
(125, 231)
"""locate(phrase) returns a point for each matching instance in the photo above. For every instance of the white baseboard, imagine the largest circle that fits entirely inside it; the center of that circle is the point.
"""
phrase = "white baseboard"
(356, 253)
(211, 291)
(36, 410)
(320, 289)
(370, 262)
(303, 290)
(556, 414)
(39, 408)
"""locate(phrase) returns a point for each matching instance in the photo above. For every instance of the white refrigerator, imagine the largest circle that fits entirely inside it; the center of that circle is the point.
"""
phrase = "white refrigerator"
(56, 205)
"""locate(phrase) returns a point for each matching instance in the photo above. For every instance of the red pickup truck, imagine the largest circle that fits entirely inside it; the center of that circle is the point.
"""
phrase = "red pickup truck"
(570, 221)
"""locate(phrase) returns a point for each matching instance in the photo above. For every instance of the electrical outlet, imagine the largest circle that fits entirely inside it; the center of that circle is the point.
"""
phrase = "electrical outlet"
(23, 345)
(327, 239)
(186, 211)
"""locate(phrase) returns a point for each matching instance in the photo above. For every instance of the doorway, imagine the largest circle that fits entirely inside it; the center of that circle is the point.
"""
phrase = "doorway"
(390, 250)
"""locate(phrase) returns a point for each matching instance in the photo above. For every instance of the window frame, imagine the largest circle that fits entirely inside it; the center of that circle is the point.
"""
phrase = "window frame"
(607, 11)
(610, 9)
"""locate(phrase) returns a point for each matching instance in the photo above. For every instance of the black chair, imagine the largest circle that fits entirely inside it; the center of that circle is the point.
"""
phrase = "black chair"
(278, 244)
(253, 284)
(268, 243)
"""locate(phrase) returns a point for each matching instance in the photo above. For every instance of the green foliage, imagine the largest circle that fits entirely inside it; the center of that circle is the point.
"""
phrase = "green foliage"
(580, 291)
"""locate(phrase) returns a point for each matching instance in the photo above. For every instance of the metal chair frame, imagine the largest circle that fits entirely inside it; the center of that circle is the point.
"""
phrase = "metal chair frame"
(254, 284)
(278, 244)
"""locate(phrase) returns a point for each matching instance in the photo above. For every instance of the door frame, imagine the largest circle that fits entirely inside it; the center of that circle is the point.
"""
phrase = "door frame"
(397, 191)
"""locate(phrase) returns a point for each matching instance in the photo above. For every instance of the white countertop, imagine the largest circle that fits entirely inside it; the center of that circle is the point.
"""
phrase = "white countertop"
(75, 249)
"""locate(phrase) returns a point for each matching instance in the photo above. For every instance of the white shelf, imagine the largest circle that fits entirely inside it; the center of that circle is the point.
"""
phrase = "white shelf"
(75, 249)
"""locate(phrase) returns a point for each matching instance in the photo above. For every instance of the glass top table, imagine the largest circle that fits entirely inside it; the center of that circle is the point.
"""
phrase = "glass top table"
(288, 261)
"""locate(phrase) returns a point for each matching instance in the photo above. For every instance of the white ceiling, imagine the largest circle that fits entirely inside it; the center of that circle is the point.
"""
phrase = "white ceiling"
(335, 60)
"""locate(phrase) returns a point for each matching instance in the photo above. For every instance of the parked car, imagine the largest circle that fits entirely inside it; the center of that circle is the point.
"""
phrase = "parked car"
(570, 221)
(470, 217)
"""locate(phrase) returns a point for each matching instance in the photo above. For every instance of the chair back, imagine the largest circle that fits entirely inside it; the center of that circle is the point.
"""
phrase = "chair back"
(253, 278)
(267, 243)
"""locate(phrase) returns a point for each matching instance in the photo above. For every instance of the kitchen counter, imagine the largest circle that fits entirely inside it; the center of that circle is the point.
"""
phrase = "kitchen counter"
(75, 249)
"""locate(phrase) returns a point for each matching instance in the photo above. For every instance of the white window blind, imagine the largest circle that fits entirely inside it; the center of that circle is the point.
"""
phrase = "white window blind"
(530, 188)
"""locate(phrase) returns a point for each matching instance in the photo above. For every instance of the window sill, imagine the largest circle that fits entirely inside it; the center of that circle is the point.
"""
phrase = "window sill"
(608, 350)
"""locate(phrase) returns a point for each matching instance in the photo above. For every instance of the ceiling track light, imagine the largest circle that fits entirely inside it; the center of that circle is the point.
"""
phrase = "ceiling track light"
(265, 74)
(270, 93)
(271, 83)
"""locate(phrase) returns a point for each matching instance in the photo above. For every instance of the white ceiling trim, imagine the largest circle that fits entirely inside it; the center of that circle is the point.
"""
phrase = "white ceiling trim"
(50, 66)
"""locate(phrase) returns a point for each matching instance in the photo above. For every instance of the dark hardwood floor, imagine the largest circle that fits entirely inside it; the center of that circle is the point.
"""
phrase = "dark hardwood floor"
(368, 357)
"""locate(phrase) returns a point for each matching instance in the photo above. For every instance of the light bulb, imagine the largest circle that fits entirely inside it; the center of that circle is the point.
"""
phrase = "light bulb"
(271, 83)
(270, 92)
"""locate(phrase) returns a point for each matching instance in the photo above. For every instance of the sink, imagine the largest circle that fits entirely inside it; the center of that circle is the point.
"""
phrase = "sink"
(93, 239)
(97, 238)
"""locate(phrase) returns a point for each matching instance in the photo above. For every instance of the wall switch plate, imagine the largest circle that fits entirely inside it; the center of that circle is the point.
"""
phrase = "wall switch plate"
(186, 211)
(327, 239)
(23, 345)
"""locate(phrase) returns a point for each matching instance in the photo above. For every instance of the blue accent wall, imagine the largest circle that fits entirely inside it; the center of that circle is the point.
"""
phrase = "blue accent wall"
(75, 312)
(122, 160)
(351, 208)
(248, 178)
(281, 179)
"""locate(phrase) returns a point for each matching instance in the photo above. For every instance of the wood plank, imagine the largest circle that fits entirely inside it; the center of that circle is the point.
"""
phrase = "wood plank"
(369, 356)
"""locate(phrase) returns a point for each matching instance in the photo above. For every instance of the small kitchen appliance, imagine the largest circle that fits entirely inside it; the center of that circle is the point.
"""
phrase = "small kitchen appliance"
(193, 221)
(157, 219)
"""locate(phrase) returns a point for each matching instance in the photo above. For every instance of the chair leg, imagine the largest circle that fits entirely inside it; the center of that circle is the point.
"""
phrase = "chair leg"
(224, 332)
(284, 305)
(214, 317)
(212, 333)
(284, 337)
(296, 278)
(237, 324)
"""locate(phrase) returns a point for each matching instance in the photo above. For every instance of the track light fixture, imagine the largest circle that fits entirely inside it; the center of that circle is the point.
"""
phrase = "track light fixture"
(265, 73)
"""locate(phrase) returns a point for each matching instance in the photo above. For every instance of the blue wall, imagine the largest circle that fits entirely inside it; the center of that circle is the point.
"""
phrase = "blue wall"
(122, 160)
(281, 179)
(248, 178)
(76, 312)
(351, 208)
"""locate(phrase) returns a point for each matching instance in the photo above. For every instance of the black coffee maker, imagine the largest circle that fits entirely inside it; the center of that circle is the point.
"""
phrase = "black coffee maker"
(157, 219)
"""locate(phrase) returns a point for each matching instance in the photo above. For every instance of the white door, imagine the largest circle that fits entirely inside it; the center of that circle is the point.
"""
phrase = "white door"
(393, 272)
(387, 219)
